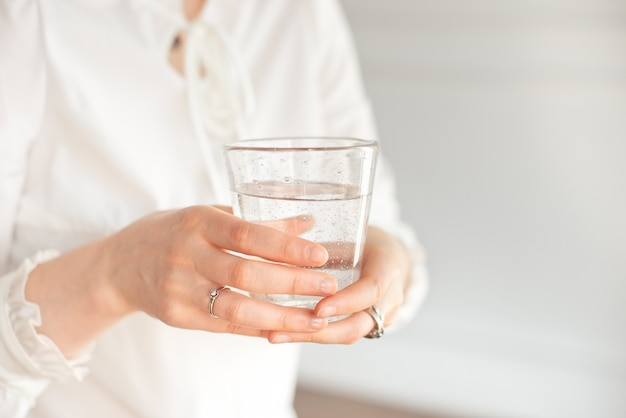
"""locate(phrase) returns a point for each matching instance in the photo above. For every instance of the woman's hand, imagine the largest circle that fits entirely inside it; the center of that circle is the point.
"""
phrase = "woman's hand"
(167, 263)
(384, 280)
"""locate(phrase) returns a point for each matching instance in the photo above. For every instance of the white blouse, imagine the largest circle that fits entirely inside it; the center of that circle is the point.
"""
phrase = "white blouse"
(97, 130)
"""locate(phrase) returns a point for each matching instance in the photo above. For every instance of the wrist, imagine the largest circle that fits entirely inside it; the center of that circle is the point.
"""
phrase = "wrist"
(75, 298)
(108, 280)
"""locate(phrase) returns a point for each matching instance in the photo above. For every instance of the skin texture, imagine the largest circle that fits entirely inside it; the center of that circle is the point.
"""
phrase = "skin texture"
(166, 264)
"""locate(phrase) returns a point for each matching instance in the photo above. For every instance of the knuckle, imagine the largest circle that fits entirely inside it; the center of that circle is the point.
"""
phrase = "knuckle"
(289, 321)
(171, 259)
(167, 288)
(376, 293)
(300, 283)
(168, 307)
(189, 217)
(168, 311)
(242, 274)
(235, 312)
(241, 232)
(353, 335)
(286, 321)
(287, 250)
(174, 255)
(232, 328)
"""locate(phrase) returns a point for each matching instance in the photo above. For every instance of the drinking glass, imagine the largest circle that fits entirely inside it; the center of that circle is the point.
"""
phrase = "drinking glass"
(327, 182)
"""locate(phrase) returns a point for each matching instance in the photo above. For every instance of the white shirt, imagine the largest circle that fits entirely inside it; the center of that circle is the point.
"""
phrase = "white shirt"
(96, 130)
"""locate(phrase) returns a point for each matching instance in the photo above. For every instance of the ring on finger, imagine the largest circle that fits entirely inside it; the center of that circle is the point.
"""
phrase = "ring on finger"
(378, 330)
(213, 295)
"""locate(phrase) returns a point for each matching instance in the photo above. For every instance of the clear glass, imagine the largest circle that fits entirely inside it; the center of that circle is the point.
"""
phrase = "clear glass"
(327, 181)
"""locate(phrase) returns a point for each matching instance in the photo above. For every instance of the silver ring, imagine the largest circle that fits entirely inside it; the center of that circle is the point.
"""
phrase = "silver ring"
(212, 297)
(379, 319)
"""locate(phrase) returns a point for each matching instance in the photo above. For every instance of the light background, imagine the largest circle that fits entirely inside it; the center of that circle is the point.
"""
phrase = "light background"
(505, 121)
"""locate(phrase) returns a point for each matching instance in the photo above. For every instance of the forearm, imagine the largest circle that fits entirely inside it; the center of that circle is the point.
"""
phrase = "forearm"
(166, 264)
(28, 360)
(75, 299)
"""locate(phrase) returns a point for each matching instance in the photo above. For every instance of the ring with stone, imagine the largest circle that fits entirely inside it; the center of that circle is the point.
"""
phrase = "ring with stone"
(213, 295)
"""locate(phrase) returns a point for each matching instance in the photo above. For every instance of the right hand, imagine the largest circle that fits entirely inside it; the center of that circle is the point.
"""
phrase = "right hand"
(166, 264)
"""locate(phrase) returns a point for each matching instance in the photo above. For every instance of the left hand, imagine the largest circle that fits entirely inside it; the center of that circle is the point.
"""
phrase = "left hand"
(384, 280)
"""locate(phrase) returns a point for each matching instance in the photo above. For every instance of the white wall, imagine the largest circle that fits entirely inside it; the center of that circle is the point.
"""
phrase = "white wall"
(506, 122)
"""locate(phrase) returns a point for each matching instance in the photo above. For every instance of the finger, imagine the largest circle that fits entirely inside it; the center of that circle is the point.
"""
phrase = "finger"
(296, 225)
(264, 277)
(223, 208)
(191, 311)
(242, 311)
(377, 274)
(237, 314)
(200, 319)
(232, 233)
(346, 331)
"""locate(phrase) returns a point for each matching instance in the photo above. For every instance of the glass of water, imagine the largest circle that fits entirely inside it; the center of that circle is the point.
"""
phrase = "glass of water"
(327, 181)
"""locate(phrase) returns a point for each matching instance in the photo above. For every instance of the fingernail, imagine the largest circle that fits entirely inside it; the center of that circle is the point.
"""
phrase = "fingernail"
(317, 323)
(328, 286)
(326, 311)
(281, 338)
(316, 254)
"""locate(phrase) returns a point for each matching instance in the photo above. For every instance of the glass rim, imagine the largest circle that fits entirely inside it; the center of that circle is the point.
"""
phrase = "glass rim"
(273, 143)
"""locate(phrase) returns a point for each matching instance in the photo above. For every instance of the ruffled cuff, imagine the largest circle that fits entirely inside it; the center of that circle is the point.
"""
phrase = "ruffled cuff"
(34, 356)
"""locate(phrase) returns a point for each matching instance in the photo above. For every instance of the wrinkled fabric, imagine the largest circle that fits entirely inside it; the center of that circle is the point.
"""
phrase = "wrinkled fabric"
(96, 131)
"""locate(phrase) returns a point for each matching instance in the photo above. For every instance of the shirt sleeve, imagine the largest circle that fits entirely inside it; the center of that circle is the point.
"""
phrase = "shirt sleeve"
(22, 95)
(28, 361)
(349, 113)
